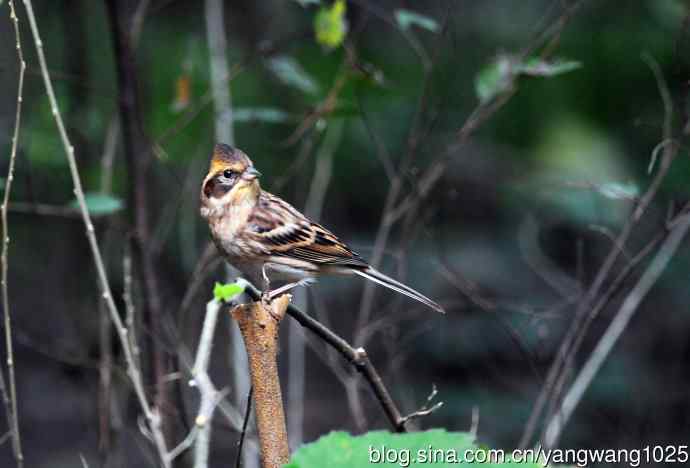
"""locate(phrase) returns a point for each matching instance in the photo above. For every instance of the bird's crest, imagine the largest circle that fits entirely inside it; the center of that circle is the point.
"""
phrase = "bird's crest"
(227, 157)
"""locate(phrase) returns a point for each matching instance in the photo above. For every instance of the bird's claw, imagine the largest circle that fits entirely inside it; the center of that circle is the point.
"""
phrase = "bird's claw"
(266, 299)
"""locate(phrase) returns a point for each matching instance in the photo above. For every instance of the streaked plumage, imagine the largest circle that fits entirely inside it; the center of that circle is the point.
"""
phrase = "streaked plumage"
(257, 231)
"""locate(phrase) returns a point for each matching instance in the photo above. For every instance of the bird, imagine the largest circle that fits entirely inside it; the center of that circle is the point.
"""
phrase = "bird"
(269, 240)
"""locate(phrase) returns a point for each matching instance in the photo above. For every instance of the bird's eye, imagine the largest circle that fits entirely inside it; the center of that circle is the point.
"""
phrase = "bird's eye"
(227, 173)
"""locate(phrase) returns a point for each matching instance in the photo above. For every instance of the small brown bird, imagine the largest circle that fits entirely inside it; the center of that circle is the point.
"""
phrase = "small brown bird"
(258, 233)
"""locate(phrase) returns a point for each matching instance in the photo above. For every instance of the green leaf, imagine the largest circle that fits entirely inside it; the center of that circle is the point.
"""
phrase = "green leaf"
(225, 292)
(434, 447)
(99, 204)
(539, 67)
(493, 79)
(260, 114)
(407, 18)
(498, 76)
(619, 191)
(290, 72)
(330, 25)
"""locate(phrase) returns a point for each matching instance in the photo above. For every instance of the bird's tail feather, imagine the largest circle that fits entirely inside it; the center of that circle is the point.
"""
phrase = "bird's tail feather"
(383, 280)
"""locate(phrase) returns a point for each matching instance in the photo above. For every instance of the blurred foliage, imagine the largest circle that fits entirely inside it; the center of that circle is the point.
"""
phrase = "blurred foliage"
(499, 76)
(100, 204)
(570, 153)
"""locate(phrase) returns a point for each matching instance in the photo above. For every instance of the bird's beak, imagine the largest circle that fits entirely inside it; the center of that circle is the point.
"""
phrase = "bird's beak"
(250, 174)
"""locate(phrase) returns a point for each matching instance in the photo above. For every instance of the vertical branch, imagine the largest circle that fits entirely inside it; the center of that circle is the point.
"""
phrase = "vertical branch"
(296, 343)
(215, 34)
(133, 371)
(208, 393)
(259, 327)
(12, 414)
(138, 160)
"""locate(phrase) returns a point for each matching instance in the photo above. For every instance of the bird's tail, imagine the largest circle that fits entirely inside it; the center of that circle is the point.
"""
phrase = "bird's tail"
(380, 278)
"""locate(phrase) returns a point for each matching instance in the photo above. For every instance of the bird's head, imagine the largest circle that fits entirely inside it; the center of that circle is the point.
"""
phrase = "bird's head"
(231, 176)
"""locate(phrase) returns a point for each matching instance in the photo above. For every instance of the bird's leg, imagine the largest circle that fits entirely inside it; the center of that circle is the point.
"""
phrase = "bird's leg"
(265, 290)
(283, 289)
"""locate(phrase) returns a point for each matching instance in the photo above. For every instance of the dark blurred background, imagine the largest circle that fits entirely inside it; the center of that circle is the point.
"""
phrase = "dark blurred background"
(508, 239)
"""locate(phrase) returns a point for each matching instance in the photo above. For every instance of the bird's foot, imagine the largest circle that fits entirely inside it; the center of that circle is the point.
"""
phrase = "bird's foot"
(266, 299)
(268, 296)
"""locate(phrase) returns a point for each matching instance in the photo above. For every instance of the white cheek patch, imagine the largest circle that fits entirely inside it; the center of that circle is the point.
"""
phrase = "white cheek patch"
(216, 206)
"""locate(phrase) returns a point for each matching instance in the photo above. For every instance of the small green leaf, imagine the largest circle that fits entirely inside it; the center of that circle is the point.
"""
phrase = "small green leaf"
(407, 18)
(619, 191)
(99, 204)
(498, 76)
(538, 67)
(225, 292)
(290, 72)
(330, 24)
(260, 114)
(494, 79)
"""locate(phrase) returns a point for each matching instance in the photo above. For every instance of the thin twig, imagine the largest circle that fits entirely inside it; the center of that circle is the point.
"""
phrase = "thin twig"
(615, 330)
(243, 434)
(426, 409)
(550, 389)
(206, 392)
(357, 356)
(138, 163)
(12, 414)
(133, 371)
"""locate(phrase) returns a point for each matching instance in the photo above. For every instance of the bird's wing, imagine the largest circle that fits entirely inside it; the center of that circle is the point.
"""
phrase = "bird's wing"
(283, 231)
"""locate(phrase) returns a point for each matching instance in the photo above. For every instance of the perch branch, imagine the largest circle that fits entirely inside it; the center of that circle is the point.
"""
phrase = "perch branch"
(11, 403)
(259, 327)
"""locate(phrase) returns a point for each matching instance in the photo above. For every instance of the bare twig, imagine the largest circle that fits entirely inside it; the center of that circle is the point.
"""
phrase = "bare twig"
(12, 414)
(427, 408)
(206, 391)
(247, 414)
(550, 389)
(138, 162)
(615, 330)
(109, 151)
(356, 356)
(151, 415)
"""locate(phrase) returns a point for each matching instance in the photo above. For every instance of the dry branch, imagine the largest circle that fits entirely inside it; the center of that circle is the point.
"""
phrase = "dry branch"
(259, 327)
(151, 414)
(138, 161)
(356, 356)
(615, 330)
(11, 401)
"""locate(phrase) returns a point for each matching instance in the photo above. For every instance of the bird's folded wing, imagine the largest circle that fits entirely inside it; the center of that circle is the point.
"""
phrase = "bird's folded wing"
(284, 231)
